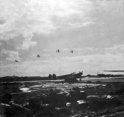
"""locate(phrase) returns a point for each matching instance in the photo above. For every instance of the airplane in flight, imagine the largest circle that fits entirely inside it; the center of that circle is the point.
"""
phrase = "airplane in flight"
(16, 61)
(71, 51)
(58, 51)
(38, 56)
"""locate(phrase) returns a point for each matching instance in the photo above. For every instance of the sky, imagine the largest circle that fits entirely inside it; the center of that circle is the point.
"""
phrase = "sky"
(93, 29)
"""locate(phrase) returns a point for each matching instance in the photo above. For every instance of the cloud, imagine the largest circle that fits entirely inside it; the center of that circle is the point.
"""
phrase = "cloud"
(116, 49)
(86, 51)
(46, 50)
(46, 55)
(65, 49)
(3, 72)
(29, 17)
(2, 21)
(68, 64)
(78, 25)
(12, 55)
(28, 43)
(4, 51)
(1, 44)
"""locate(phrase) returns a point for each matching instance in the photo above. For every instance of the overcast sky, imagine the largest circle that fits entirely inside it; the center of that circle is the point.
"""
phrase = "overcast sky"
(93, 29)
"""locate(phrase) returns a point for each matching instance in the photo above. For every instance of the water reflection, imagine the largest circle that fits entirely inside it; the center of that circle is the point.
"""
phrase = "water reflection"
(24, 89)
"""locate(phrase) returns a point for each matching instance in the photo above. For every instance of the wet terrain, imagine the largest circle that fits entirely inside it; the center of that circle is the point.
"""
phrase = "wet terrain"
(42, 99)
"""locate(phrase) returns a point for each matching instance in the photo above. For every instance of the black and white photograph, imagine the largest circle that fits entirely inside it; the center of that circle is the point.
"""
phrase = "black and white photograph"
(61, 58)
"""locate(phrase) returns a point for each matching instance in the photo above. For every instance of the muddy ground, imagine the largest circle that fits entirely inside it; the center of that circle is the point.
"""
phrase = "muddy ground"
(89, 98)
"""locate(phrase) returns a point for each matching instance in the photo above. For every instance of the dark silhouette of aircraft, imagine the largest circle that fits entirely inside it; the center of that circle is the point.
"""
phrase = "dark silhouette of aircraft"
(38, 56)
(71, 51)
(16, 61)
(58, 51)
